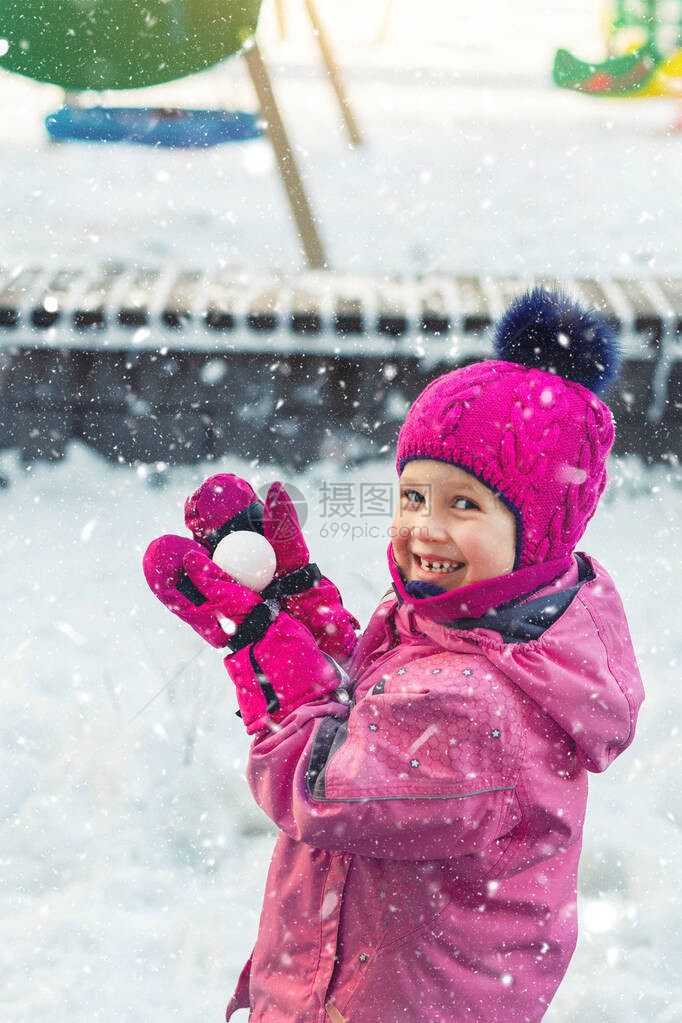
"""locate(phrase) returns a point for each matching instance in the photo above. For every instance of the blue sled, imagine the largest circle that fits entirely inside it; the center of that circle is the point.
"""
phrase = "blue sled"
(173, 129)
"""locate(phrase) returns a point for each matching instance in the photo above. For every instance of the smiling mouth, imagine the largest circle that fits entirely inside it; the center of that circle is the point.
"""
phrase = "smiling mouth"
(440, 567)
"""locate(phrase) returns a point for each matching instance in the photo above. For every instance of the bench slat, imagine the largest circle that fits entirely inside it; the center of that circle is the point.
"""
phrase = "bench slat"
(50, 302)
(90, 308)
(474, 308)
(136, 305)
(672, 289)
(264, 306)
(179, 304)
(15, 293)
(595, 295)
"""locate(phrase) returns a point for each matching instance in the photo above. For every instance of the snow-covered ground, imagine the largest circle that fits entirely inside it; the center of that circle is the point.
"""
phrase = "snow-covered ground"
(132, 857)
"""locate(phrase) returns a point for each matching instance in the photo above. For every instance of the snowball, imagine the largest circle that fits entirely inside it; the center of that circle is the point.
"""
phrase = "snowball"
(248, 558)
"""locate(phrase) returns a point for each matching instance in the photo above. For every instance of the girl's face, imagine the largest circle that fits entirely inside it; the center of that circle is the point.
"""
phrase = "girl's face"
(449, 529)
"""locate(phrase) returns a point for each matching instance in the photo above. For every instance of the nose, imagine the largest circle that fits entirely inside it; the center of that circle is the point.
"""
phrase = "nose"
(432, 526)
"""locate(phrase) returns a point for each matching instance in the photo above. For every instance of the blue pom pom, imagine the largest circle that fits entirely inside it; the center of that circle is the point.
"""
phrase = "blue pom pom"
(548, 330)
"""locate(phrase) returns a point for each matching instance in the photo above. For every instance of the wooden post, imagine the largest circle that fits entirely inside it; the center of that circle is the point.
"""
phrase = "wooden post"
(334, 74)
(281, 21)
(383, 34)
(291, 179)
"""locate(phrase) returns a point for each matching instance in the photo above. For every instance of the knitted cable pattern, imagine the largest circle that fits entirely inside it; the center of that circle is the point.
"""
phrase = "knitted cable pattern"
(536, 439)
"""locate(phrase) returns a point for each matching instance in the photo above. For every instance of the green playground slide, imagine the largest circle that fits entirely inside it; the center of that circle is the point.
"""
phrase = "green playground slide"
(120, 44)
(616, 76)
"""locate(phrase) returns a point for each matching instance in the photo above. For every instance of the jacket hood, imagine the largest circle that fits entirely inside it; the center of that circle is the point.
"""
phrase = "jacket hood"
(567, 646)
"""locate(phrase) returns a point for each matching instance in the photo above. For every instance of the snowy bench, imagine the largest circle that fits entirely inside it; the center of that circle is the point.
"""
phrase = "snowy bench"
(158, 363)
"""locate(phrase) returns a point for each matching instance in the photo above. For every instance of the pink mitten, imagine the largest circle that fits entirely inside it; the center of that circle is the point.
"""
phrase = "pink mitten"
(167, 578)
(274, 662)
(222, 504)
(225, 503)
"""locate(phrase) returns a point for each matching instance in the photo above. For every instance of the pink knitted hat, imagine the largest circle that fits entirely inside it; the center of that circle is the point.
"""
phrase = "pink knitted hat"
(530, 426)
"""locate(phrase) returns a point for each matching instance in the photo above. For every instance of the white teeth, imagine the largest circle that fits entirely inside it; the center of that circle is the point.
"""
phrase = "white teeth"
(438, 566)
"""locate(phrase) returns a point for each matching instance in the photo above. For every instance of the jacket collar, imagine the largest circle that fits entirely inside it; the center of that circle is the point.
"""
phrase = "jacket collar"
(520, 622)
(471, 602)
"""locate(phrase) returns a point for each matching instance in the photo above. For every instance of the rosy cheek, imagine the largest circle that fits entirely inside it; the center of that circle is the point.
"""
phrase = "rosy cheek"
(484, 556)
(399, 536)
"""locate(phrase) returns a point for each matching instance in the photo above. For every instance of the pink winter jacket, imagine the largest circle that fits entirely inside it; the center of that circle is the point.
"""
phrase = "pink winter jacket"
(430, 824)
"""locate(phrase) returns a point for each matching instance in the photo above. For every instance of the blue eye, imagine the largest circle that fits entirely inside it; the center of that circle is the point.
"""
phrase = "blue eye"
(413, 496)
(464, 504)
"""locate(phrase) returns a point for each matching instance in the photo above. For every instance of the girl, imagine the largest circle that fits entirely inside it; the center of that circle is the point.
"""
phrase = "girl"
(431, 801)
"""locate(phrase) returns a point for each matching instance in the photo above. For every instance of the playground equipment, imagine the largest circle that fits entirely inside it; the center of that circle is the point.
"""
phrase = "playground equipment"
(383, 33)
(129, 44)
(158, 364)
(330, 64)
(122, 44)
(174, 129)
(644, 39)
